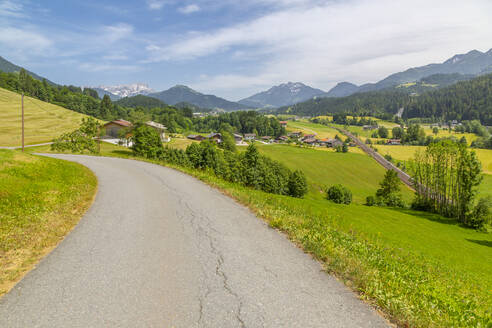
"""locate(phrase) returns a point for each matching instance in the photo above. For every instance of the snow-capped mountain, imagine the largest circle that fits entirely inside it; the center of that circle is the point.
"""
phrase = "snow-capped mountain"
(126, 90)
(282, 95)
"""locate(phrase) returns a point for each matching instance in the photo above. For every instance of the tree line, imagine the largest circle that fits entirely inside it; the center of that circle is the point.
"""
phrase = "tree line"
(446, 177)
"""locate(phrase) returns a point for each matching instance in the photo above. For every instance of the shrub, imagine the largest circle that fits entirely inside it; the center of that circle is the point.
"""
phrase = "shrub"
(297, 184)
(388, 157)
(339, 194)
(81, 139)
(481, 214)
(344, 148)
(146, 142)
(370, 201)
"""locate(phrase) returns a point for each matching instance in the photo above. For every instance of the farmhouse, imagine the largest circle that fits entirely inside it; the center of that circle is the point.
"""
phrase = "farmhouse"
(294, 134)
(159, 128)
(238, 138)
(267, 139)
(196, 137)
(333, 143)
(308, 136)
(249, 136)
(395, 142)
(113, 128)
(215, 137)
(282, 139)
(310, 141)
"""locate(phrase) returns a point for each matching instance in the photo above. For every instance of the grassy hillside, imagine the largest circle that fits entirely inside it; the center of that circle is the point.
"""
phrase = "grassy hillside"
(41, 199)
(43, 121)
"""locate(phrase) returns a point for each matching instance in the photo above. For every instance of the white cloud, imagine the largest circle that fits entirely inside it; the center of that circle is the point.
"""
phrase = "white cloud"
(23, 40)
(103, 67)
(11, 9)
(323, 43)
(116, 32)
(155, 4)
(189, 9)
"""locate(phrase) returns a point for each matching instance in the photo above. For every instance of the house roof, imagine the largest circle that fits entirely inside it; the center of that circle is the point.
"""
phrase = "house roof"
(283, 122)
(156, 125)
(250, 134)
(120, 122)
(213, 134)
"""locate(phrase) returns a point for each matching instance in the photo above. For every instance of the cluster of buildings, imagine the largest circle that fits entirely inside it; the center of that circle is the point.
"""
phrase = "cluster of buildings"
(308, 139)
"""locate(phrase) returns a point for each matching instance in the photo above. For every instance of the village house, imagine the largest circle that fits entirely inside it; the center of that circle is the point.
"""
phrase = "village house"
(394, 142)
(283, 123)
(249, 136)
(238, 138)
(196, 137)
(267, 139)
(311, 141)
(160, 129)
(370, 127)
(333, 143)
(215, 137)
(308, 136)
(295, 134)
(113, 128)
(282, 139)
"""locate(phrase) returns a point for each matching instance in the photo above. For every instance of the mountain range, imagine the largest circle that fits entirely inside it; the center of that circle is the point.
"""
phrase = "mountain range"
(471, 64)
(182, 93)
(125, 90)
(414, 80)
(282, 95)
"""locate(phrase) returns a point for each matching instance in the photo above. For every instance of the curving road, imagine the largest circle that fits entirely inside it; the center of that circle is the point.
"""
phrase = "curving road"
(158, 248)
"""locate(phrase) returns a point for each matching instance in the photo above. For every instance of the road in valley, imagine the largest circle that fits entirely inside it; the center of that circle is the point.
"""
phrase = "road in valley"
(159, 248)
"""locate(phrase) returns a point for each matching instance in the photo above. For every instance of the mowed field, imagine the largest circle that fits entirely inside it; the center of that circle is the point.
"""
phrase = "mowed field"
(43, 121)
(360, 173)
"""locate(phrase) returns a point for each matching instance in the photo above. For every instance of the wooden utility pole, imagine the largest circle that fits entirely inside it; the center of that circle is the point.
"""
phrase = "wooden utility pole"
(22, 101)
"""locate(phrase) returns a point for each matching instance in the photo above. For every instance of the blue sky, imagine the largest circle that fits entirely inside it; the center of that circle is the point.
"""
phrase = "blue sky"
(235, 48)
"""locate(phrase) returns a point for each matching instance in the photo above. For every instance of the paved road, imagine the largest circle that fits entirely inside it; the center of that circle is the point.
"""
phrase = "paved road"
(161, 249)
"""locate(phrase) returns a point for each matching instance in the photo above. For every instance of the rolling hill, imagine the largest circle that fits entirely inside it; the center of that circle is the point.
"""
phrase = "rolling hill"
(182, 93)
(43, 121)
(8, 67)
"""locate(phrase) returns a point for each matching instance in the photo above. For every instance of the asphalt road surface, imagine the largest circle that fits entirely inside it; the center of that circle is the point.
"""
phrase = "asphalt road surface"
(159, 248)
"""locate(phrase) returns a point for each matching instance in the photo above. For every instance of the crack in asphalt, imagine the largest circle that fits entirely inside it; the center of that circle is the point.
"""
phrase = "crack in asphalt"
(196, 221)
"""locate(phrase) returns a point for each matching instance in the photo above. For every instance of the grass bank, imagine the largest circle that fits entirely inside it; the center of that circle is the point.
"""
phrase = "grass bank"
(422, 270)
(41, 200)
